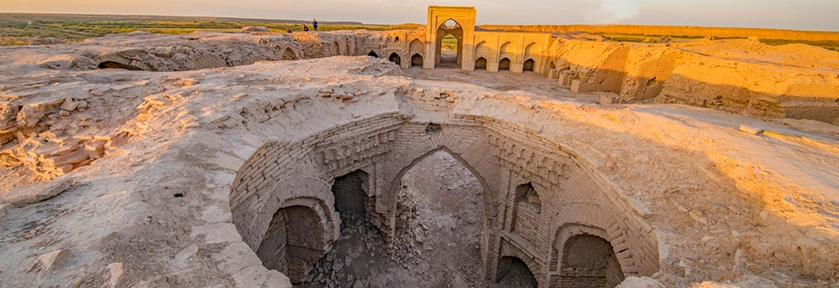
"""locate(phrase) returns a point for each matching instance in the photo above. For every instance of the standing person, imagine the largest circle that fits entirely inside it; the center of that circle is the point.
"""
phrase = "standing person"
(315, 24)
(305, 28)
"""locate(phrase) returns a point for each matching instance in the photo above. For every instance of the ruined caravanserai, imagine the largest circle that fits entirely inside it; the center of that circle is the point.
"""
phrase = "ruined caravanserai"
(258, 159)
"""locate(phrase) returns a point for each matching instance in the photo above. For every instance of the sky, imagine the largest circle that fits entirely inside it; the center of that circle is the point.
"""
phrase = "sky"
(783, 14)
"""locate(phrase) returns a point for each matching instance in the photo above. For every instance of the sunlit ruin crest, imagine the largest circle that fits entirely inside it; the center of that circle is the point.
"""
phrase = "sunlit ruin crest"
(452, 155)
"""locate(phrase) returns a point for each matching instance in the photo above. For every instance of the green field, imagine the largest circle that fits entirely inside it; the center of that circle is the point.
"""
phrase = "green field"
(20, 29)
(449, 42)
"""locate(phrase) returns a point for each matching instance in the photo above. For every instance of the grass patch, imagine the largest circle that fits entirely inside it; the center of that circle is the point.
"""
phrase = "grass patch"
(449, 42)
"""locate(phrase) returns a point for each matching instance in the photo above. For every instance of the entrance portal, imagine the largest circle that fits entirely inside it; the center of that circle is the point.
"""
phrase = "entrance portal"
(373, 54)
(449, 44)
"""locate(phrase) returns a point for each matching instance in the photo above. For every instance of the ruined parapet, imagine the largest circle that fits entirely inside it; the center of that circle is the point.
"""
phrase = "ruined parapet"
(690, 73)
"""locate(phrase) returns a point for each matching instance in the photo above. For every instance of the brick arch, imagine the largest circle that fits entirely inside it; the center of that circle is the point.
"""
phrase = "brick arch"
(253, 218)
(482, 50)
(290, 53)
(467, 152)
(637, 254)
(336, 48)
(533, 48)
(126, 60)
(395, 58)
(416, 47)
(594, 240)
(395, 182)
(508, 250)
(292, 244)
(508, 48)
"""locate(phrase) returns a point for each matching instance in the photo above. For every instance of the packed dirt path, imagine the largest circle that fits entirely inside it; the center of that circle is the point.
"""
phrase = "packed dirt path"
(503, 81)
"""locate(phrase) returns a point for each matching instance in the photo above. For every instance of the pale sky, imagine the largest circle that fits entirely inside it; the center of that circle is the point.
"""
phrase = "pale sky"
(784, 14)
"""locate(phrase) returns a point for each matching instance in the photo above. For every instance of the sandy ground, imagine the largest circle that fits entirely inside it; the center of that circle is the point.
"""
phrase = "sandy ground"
(502, 81)
(448, 70)
(726, 206)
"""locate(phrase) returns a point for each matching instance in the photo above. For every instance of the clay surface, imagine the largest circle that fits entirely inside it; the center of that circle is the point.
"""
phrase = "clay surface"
(242, 160)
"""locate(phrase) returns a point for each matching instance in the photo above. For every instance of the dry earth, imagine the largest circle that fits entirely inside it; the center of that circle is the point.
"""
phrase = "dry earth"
(130, 178)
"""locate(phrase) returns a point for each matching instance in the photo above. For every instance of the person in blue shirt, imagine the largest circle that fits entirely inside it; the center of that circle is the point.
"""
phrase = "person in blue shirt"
(315, 24)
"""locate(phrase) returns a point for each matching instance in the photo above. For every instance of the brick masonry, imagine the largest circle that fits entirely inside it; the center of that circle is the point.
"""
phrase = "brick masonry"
(560, 191)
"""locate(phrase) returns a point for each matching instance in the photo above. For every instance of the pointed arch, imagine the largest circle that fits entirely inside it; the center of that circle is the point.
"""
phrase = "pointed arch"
(481, 63)
(532, 56)
(513, 268)
(589, 259)
(416, 47)
(336, 48)
(528, 65)
(445, 32)
(373, 54)
(288, 54)
(416, 60)
(482, 50)
(527, 207)
(508, 48)
(533, 49)
(449, 24)
(504, 64)
(395, 58)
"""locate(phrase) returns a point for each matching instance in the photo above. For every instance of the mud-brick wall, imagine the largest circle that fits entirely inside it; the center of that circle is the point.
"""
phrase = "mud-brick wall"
(274, 247)
(527, 220)
(571, 278)
(350, 195)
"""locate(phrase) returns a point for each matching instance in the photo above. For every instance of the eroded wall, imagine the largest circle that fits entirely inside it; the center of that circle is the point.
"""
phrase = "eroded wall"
(520, 222)
(704, 74)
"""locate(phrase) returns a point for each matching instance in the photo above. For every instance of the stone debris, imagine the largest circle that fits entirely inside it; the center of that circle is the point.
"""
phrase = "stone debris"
(750, 129)
(37, 192)
(115, 271)
(3, 209)
(682, 197)
(640, 282)
(54, 259)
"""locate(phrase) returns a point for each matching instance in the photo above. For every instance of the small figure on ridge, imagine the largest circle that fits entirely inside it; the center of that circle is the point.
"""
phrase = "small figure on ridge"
(315, 24)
